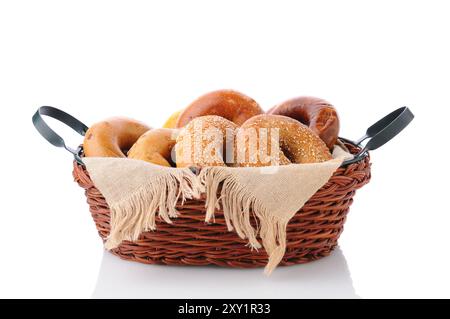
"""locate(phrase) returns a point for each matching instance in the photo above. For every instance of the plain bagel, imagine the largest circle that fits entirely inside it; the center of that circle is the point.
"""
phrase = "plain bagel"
(112, 137)
(231, 105)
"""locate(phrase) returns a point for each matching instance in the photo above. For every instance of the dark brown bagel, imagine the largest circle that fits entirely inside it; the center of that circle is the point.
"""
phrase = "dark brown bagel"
(319, 115)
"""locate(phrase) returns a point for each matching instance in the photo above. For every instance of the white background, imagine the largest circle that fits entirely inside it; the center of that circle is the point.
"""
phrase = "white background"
(97, 59)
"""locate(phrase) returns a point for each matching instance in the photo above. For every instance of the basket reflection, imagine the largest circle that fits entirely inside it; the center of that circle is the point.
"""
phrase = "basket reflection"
(328, 277)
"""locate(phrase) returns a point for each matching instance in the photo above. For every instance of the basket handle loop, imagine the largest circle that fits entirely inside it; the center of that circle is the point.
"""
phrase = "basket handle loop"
(50, 135)
(383, 131)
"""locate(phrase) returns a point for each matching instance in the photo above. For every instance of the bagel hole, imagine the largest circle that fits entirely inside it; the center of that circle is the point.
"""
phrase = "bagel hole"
(173, 157)
(286, 151)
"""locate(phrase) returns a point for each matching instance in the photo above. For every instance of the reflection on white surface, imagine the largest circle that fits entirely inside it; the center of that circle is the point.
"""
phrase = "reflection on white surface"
(328, 277)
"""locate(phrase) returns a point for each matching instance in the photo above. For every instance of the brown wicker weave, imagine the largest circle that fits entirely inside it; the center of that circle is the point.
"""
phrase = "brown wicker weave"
(311, 234)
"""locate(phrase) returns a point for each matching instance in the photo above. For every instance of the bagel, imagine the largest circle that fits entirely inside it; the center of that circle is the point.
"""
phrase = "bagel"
(155, 146)
(171, 122)
(257, 144)
(231, 105)
(203, 142)
(319, 115)
(112, 137)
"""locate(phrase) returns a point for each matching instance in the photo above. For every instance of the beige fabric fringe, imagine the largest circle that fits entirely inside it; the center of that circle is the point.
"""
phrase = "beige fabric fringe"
(137, 191)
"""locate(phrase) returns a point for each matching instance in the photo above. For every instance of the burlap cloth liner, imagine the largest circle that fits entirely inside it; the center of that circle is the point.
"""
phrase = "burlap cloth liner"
(137, 191)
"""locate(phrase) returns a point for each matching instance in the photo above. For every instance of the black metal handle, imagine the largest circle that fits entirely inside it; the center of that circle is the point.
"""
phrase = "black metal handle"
(383, 131)
(51, 135)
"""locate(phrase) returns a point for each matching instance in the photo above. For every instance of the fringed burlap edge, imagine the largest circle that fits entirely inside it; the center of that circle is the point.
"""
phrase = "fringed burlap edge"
(237, 203)
(137, 213)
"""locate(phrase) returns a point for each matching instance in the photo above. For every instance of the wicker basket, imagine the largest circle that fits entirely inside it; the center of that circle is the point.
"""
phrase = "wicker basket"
(311, 234)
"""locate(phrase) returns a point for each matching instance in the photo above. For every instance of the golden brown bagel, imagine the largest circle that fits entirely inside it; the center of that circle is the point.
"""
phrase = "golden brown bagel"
(319, 115)
(203, 142)
(234, 106)
(112, 137)
(257, 144)
(155, 147)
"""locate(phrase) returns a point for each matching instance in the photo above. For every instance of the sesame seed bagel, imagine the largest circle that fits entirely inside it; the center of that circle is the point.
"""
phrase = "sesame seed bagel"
(268, 140)
(319, 115)
(203, 142)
